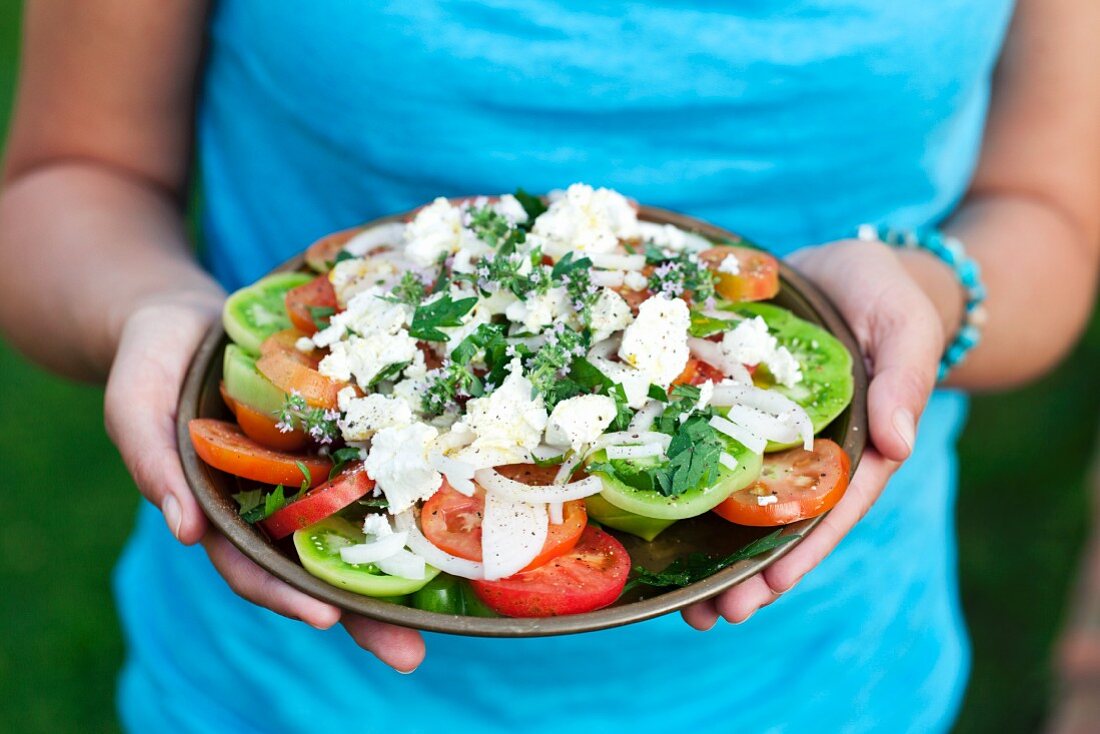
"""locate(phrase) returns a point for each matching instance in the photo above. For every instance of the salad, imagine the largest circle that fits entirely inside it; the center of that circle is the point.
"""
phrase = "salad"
(461, 410)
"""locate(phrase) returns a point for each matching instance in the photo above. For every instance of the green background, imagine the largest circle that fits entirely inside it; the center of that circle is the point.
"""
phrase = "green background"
(66, 504)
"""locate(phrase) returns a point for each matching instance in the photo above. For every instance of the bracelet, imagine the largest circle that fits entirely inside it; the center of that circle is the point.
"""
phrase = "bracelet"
(951, 251)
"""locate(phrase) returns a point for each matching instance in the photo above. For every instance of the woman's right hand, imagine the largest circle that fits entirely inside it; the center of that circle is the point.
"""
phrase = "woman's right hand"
(155, 347)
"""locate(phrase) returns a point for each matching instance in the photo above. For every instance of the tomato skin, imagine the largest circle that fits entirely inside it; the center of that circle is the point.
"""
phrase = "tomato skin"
(696, 372)
(805, 483)
(224, 446)
(758, 279)
(452, 521)
(293, 371)
(264, 429)
(318, 503)
(591, 577)
(321, 253)
(317, 293)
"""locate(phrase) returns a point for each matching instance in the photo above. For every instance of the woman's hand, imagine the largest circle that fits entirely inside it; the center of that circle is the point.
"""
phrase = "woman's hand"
(156, 344)
(898, 306)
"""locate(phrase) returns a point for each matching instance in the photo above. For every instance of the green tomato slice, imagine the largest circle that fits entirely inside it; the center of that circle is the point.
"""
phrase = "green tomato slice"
(245, 384)
(255, 312)
(446, 594)
(605, 513)
(827, 383)
(652, 504)
(319, 547)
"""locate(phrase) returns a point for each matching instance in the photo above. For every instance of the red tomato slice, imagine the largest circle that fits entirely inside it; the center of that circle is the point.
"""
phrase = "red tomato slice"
(323, 252)
(318, 503)
(263, 428)
(696, 372)
(224, 446)
(590, 577)
(317, 293)
(757, 280)
(293, 371)
(804, 483)
(452, 521)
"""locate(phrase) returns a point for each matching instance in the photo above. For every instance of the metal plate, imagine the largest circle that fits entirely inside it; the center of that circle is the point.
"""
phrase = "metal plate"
(708, 533)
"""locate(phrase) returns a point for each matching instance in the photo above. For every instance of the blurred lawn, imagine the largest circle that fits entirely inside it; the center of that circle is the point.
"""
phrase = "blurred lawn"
(66, 504)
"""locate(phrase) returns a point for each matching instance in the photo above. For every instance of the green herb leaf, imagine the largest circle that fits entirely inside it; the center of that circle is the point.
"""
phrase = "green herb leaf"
(441, 312)
(321, 315)
(341, 257)
(588, 376)
(389, 372)
(483, 336)
(531, 204)
(698, 566)
(658, 393)
(704, 326)
(249, 501)
(552, 461)
(341, 458)
(567, 265)
(307, 478)
(274, 502)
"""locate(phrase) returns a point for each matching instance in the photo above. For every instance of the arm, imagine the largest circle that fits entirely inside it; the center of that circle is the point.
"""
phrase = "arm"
(96, 276)
(1031, 219)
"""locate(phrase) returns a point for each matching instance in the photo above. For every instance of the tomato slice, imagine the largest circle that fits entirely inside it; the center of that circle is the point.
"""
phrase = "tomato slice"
(590, 577)
(696, 372)
(318, 503)
(224, 446)
(263, 428)
(321, 253)
(301, 301)
(293, 371)
(804, 483)
(758, 279)
(452, 521)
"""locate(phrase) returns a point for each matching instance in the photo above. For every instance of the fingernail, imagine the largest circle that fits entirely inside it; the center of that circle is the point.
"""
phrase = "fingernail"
(407, 672)
(710, 626)
(906, 426)
(170, 508)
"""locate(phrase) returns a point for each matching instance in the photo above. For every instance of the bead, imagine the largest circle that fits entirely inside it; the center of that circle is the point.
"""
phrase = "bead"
(968, 337)
(976, 316)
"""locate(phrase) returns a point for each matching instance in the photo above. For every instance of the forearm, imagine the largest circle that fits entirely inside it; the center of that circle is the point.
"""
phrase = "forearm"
(81, 246)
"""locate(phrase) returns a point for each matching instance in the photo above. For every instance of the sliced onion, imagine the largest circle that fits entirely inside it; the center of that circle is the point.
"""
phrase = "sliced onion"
(404, 564)
(763, 424)
(565, 471)
(619, 438)
(606, 278)
(459, 474)
(604, 349)
(644, 451)
(512, 535)
(713, 354)
(557, 513)
(643, 419)
(727, 460)
(384, 547)
(747, 438)
(424, 548)
(615, 261)
(767, 401)
(544, 452)
(513, 491)
(391, 233)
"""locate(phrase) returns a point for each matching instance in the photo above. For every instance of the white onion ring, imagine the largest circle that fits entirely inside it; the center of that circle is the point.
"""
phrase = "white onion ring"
(615, 261)
(606, 278)
(644, 418)
(391, 233)
(513, 491)
(744, 436)
(375, 550)
(512, 535)
(424, 548)
(767, 401)
(619, 438)
(764, 424)
(643, 451)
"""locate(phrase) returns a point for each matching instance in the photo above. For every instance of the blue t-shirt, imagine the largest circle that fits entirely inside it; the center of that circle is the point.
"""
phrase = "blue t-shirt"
(790, 121)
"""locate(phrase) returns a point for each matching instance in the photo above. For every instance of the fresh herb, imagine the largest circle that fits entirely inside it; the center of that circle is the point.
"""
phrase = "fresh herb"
(375, 502)
(531, 204)
(341, 458)
(483, 336)
(567, 266)
(341, 257)
(680, 274)
(704, 326)
(320, 315)
(443, 311)
(274, 502)
(446, 384)
(693, 458)
(550, 366)
(589, 377)
(698, 566)
(410, 290)
(656, 392)
(319, 423)
(389, 372)
(623, 413)
(495, 230)
(552, 461)
(256, 506)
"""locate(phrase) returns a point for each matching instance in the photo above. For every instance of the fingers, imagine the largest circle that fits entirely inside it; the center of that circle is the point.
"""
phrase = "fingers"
(140, 409)
(742, 601)
(259, 587)
(906, 345)
(399, 647)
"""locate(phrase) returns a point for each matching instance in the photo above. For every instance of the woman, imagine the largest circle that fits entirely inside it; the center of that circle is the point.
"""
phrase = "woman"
(792, 123)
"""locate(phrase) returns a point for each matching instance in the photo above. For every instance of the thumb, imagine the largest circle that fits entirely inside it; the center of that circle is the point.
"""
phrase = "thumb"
(140, 408)
(906, 344)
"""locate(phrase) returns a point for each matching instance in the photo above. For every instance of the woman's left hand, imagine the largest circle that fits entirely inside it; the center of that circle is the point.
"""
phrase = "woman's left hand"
(901, 334)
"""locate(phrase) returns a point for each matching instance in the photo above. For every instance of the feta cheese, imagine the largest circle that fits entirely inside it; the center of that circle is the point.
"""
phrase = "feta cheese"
(750, 343)
(766, 499)
(610, 313)
(579, 421)
(539, 310)
(398, 462)
(366, 312)
(634, 382)
(349, 277)
(364, 357)
(635, 281)
(509, 207)
(363, 417)
(390, 234)
(304, 344)
(670, 237)
(607, 278)
(438, 230)
(656, 343)
(586, 220)
(508, 423)
(729, 265)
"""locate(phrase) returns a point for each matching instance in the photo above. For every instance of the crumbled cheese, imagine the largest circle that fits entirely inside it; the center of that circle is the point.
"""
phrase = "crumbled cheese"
(398, 462)
(656, 343)
(729, 265)
(364, 357)
(751, 344)
(579, 420)
(607, 278)
(766, 499)
(349, 277)
(635, 383)
(586, 220)
(610, 313)
(363, 417)
(438, 230)
(635, 281)
(367, 312)
(540, 310)
(509, 207)
(376, 526)
(508, 423)
(304, 344)
(670, 237)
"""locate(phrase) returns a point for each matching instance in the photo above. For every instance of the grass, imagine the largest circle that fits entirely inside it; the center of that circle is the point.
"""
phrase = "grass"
(1022, 517)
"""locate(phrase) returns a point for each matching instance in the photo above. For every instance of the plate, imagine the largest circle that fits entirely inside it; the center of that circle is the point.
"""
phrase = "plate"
(200, 398)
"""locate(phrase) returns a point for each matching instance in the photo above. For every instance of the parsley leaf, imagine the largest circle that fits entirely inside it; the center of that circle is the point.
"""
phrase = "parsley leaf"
(321, 315)
(658, 393)
(698, 566)
(567, 265)
(704, 326)
(531, 204)
(389, 372)
(409, 290)
(341, 458)
(251, 503)
(443, 311)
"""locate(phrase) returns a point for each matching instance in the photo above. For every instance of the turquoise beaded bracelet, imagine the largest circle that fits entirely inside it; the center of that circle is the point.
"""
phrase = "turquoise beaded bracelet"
(952, 252)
